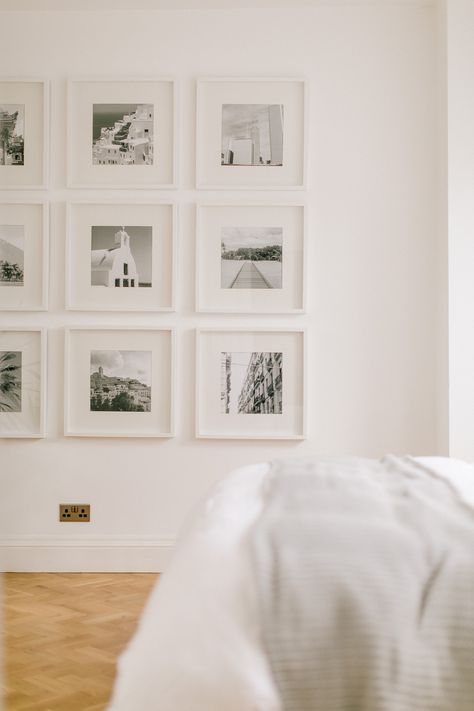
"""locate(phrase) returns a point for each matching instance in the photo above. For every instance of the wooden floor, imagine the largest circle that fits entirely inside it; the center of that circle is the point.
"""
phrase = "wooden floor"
(62, 636)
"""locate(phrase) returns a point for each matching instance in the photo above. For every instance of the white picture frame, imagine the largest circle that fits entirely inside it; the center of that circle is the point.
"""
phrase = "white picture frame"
(23, 402)
(24, 250)
(251, 133)
(275, 284)
(141, 152)
(231, 366)
(147, 235)
(136, 361)
(27, 167)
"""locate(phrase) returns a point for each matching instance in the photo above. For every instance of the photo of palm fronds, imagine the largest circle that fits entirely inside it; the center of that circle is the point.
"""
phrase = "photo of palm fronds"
(10, 381)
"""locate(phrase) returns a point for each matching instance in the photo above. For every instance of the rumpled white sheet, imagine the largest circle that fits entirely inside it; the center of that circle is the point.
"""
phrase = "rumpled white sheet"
(198, 645)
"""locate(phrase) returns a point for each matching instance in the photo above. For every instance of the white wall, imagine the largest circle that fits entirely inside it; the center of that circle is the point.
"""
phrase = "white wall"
(460, 52)
(374, 307)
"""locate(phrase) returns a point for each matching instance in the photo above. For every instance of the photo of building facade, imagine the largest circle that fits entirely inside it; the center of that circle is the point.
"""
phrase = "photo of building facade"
(12, 139)
(226, 362)
(122, 134)
(252, 383)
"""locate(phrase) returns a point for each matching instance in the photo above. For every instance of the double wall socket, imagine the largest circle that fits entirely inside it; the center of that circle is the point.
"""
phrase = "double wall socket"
(74, 512)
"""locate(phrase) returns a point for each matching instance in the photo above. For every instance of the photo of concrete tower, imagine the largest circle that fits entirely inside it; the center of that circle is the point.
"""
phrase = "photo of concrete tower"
(252, 134)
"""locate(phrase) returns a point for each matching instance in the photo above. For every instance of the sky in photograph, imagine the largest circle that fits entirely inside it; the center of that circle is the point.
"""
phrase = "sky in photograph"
(140, 245)
(13, 234)
(235, 237)
(237, 121)
(123, 364)
(20, 121)
(106, 115)
(238, 371)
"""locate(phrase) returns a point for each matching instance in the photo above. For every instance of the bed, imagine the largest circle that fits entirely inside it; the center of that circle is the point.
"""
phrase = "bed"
(315, 584)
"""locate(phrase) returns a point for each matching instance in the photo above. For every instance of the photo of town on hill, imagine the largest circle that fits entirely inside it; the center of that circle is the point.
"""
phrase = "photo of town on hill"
(121, 257)
(12, 134)
(251, 383)
(251, 257)
(120, 381)
(252, 134)
(12, 255)
(122, 134)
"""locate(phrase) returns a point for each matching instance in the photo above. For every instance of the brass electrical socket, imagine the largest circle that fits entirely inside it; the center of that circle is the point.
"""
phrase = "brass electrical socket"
(74, 512)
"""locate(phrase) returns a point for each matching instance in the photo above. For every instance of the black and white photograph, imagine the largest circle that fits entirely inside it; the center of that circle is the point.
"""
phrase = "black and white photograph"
(251, 383)
(12, 255)
(122, 134)
(12, 134)
(120, 381)
(251, 257)
(252, 134)
(121, 256)
(10, 381)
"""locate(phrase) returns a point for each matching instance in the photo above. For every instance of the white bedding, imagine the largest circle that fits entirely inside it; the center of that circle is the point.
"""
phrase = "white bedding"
(198, 645)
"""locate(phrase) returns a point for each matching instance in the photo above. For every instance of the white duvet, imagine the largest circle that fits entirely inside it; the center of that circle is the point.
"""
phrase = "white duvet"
(198, 646)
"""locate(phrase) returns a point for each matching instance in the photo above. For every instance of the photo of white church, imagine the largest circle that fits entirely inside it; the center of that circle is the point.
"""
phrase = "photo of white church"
(121, 257)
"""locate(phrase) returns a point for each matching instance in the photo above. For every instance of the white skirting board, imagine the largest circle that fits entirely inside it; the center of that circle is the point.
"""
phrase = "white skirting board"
(50, 554)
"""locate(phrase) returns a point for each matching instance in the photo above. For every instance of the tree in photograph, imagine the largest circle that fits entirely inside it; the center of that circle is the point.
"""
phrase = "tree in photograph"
(270, 253)
(124, 403)
(98, 403)
(10, 272)
(10, 388)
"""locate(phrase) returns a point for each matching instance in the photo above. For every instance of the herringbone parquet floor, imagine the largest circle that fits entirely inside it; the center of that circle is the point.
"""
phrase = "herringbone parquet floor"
(62, 636)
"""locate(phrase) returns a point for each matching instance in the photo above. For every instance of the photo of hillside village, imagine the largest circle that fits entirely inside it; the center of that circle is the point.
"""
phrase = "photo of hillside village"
(122, 134)
(120, 381)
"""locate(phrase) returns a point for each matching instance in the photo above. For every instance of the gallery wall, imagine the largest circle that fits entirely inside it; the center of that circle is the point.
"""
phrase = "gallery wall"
(374, 306)
(460, 46)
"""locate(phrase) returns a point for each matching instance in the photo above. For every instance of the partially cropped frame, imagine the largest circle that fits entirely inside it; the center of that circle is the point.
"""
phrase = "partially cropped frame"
(121, 256)
(119, 382)
(24, 134)
(250, 383)
(250, 258)
(22, 382)
(251, 133)
(121, 133)
(24, 239)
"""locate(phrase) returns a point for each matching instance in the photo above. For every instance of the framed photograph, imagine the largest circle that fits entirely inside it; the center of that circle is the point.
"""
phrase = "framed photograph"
(121, 257)
(121, 133)
(250, 133)
(24, 133)
(250, 258)
(24, 231)
(119, 382)
(22, 382)
(250, 384)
